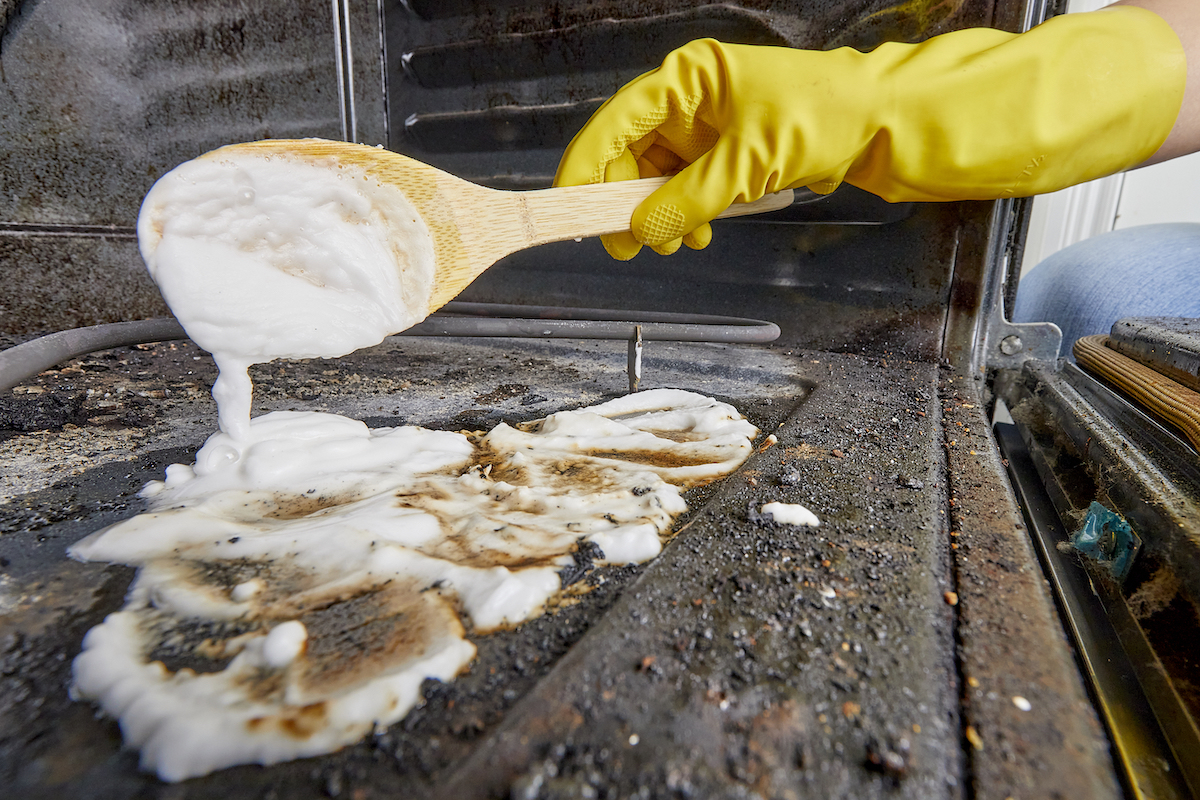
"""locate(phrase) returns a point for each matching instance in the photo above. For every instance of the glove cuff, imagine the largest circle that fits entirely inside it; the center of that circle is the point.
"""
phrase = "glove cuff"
(1010, 115)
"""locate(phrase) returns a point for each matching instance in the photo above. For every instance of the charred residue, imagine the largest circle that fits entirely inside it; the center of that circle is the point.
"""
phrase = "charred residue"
(504, 391)
(360, 637)
(193, 644)
(654, 458)
(1001, 654)
(280, 585)
(583, 557)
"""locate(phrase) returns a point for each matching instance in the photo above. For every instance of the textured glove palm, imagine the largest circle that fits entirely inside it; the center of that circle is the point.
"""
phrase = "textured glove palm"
(971, 115)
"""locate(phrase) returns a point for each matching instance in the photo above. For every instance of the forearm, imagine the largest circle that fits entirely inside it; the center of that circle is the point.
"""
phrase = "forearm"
(1184, 18)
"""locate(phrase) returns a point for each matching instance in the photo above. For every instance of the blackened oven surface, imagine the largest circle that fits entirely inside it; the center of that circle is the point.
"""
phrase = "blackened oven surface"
(748, 654)
(786, 661)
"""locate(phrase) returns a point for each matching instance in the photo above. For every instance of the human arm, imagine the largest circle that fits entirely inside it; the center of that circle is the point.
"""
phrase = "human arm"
(974, 114)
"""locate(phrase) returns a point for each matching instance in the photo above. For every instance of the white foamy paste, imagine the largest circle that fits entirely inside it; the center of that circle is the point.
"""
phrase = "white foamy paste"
(791, 514)
(310, 515)
(263, 257)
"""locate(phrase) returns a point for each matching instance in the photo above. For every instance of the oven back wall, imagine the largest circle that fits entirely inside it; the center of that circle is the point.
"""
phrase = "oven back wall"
(100, 97)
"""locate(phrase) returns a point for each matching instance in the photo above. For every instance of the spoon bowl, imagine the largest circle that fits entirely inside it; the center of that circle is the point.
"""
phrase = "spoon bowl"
(472, 226)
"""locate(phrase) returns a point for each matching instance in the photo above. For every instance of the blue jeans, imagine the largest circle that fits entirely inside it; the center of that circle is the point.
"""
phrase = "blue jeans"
(1148, 271)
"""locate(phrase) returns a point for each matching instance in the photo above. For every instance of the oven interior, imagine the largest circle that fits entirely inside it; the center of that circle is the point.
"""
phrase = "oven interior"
(936, 636)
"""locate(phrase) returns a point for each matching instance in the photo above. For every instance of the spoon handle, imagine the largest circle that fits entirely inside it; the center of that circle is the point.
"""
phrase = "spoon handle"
(573, 212)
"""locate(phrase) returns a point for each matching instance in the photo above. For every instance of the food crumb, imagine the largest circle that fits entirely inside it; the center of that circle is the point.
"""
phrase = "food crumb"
(974, 738)
(790, 514)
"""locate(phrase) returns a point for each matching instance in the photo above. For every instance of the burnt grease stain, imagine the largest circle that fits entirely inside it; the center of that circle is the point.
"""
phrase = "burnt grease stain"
(265, 685)
(360, 638)
(192, 644)
(655, 458)
(495, 465)
(584, 474)
(296, 722)
(287, 506)
(279, 579)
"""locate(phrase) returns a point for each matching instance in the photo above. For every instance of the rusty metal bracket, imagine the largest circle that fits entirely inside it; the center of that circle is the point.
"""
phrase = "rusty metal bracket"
(1004, 344)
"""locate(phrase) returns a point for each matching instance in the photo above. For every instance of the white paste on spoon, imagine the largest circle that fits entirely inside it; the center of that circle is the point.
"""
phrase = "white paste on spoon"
(265, 257)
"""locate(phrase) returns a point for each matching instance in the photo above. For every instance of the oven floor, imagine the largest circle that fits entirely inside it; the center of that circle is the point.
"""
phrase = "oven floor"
(747, 660)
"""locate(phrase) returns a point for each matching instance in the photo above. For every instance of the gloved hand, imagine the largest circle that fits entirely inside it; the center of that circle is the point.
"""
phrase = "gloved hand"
(972, 115)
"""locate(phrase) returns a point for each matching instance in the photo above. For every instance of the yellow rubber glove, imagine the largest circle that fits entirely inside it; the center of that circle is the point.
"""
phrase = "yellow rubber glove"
(972, 115)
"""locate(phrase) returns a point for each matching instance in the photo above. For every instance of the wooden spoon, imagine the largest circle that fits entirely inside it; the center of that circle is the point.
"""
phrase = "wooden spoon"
(472, 226)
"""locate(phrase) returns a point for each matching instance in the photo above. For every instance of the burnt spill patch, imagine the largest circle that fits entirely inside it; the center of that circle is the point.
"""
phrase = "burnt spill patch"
(297, 588)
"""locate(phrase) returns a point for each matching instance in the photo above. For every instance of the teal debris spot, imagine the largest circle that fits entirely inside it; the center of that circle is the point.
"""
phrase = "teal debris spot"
(1107, 539)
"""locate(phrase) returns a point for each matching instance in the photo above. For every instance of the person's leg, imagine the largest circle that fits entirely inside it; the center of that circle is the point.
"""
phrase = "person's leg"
(1148, 271)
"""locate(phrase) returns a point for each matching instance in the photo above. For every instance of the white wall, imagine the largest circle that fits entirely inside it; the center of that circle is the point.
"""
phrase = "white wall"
(1167, 192)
